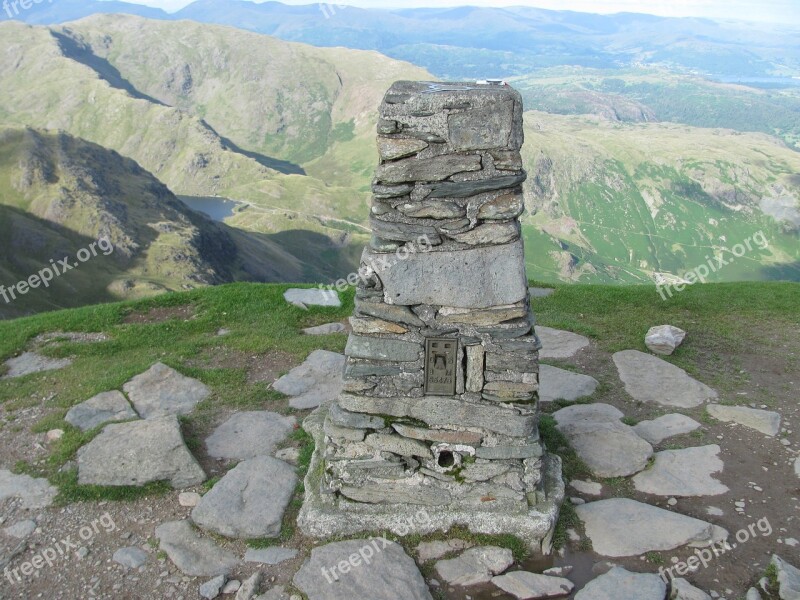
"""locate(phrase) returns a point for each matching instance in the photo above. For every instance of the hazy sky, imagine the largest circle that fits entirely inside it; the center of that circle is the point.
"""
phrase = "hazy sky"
(778, 11)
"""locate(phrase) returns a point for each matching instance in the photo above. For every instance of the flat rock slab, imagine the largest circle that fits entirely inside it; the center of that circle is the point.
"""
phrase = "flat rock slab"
(622, 527)
(249, 501)
(766, 421)
(316, 382)
(474, 566)
(139, 453)
(270, 556)
(650, 379)
(607, 446)
(193, 554)
(437, 549)
(162, 391)
(683, 590)
(559, 384)
(131, 557)
(788, 579)
(326, 329)
(312, 297)
(369, 568)
(29, 363)
(532, 586)
(658, 430)
(32, 493)
(560, 344)
(621, 584)
(103, 408)
(683, 473)
(249, 434)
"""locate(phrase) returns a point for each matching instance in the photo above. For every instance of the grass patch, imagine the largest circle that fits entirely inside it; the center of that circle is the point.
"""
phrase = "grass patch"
(555, 441)
(71, 491)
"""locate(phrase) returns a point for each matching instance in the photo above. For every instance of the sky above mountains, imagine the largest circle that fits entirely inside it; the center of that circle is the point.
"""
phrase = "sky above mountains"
(776, 11)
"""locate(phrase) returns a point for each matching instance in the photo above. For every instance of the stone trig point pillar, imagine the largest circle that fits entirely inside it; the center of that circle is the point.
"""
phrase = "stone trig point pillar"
(438, 423)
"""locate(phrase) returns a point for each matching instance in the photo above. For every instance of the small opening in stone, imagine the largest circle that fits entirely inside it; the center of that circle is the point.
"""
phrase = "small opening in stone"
(446, 459)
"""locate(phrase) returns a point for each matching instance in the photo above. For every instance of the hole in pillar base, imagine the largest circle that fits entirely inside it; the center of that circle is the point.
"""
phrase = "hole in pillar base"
(446, 459)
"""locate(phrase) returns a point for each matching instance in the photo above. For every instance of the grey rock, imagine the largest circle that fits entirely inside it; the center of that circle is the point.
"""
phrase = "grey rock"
(437, 278)
(683, 590)
(32, 493)
(162, 391)
(389, 570)
(560, 344)
(139, 453)
(658, 430)
(620, 584)
(317, 381)
(231, 587)
(766, 421)
(443, 411)
(474, 566)
(752, 594)
(389, 312)
(391, 191)
(797, 466)
(788, 579)
(249, 434)
(194, 555)
(507, 206)
(131, 557)
(664, 339)
(392, 148)
(312, 297)
(482, 128)
(529, 586)
(270, 556)
(250, 587)
(211, 589)
(446, 436)
(29, 363)
(403, 232)
(289, 455)
(326, 329)
(432, 209)
(382, 349)
(343, 433)
(437, 168)
(103, 408)
(683, 473)
(343, 418)
(559, 384)
(21, 530)
(394, 492)
(189, 499)
(476, 361)
(622, 527)
(489, 233)
(589, 488)
(249, 501)
(509, 452)
(607, 446)
(398, 445)
(434, 550)
(465, 189)
(650, 379)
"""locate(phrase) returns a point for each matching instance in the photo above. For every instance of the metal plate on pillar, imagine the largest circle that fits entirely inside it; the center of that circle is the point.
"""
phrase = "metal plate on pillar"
(441, 356)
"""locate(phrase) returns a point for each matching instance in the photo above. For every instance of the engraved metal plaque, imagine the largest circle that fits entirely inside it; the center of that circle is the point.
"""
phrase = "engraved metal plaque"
(441, 355)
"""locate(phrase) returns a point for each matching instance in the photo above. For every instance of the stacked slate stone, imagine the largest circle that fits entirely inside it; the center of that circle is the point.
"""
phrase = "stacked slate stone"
(445, 267)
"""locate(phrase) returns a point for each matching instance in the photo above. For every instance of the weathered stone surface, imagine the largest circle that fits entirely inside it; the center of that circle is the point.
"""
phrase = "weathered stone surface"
(650, 379)
(131, 557)
(607, 446)
(356, 368)
(404, 232)
(507, 160)
(392, 492)
(194, 555)
(392, 148)
(560, 344)
(439, 411)
(249, 501)
(432, 209)
(507, 206)
(249, 434)
(138, 453)
(270, 556)
(432, 550)
(491, 316)
(103, 408)
(212, 588)
(589, 488)
(343, 418)
(622, 527)
(485, 470)
(788, 579)
(437, 278)
(469, 438)
(32, 493)
(620, 584)
(506, 391)
(465, 189)
(161, 391)
(658, 430)
(509, 452)
(664, 339)
(682, 473)
(389, 312)
(683, 590)
(398, 445)
(437, 168)
(766, 421)
(375, 326)
(391, 191)
(326, 329)
(528, 586)
(332, 573)
(558, 384)
(383, 349)
(490, 233)
(317, 381)
(20, 530)
(312, 297)
(474, 566)
(29, 363)
(482, 128)
(343, 433)
(476, 356)
(251, 586)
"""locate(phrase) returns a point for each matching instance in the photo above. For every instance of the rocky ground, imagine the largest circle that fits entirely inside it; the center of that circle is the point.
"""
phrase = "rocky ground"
(691, 473)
